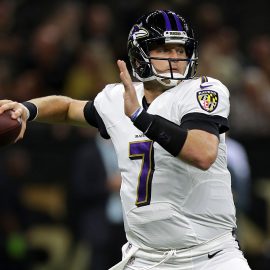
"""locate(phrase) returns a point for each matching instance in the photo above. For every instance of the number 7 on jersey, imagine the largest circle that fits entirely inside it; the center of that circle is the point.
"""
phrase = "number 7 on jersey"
(143, 150)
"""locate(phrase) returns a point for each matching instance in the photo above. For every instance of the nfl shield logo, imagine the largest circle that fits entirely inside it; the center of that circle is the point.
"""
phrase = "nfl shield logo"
(208, 100)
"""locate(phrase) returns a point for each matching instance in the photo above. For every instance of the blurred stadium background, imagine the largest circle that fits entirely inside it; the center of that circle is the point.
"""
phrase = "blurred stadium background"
(58, 187)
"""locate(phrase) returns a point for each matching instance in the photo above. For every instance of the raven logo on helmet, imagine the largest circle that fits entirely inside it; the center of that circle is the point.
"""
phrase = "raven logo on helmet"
(141, 33)
(137, 32)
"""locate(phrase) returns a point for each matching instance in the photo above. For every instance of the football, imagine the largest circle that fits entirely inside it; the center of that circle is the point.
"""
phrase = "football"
(9, 128)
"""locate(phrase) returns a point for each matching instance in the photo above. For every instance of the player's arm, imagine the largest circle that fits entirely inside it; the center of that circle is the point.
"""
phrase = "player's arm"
(195, 142)
(58, 109)
(50, 109)
(196, 147)
(61, 109)
(200, 148)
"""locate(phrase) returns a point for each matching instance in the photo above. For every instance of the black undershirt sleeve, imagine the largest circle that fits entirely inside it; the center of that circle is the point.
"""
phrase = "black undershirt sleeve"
(93, 118)
(213, 124)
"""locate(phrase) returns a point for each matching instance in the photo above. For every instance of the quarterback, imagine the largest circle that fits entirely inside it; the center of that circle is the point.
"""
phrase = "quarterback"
(168, 130)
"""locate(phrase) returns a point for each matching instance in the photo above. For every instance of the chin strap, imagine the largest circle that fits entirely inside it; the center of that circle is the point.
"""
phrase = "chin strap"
(168, 82)
(166, 78)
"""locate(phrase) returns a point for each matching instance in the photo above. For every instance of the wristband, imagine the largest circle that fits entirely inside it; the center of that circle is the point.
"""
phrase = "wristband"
(166, 133)
(32, 110)
(136, 114)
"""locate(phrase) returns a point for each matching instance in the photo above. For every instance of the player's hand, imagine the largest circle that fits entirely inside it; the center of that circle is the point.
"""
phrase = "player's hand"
(130, 97)
(18, 112)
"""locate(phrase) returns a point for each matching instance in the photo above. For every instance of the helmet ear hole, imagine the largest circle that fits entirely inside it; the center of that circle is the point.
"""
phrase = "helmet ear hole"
(142, 68)
(140, 65)
(146, 70)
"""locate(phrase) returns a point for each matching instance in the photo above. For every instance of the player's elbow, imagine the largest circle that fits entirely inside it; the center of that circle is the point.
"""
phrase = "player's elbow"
(200, 149)
(205, 160)
(205, 164)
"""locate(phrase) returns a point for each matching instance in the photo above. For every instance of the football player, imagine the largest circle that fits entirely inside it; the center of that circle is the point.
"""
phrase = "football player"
(168, 131)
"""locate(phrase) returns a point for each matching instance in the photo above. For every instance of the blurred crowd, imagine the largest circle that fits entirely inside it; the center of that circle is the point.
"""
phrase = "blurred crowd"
(59, 202)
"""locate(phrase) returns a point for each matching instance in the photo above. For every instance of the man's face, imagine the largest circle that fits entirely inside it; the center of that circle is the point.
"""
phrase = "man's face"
(172, 51)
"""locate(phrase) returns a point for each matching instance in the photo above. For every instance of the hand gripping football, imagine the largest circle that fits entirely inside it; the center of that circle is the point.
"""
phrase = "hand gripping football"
(9, 128)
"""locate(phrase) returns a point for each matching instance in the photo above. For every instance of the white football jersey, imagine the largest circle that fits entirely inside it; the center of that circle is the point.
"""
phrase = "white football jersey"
(167, 203)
